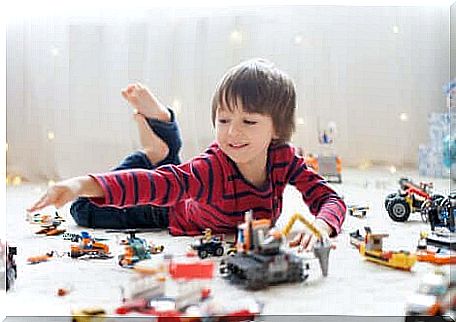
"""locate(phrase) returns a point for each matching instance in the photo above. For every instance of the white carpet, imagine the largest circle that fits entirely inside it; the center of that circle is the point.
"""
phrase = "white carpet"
(353, 286)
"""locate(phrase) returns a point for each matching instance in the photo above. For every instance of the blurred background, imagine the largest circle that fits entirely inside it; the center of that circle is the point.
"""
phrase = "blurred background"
(376, 78)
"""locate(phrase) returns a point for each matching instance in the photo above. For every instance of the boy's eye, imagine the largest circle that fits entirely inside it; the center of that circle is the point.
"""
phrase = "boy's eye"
(250, 122)
(223, 121)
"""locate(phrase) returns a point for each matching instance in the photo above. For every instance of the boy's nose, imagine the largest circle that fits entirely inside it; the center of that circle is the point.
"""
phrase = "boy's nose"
(233, 130)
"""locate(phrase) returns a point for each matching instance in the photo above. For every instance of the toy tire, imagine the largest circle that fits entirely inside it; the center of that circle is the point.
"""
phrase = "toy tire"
(202, 254)
(388, 198)
(218, 251)
(399, 209)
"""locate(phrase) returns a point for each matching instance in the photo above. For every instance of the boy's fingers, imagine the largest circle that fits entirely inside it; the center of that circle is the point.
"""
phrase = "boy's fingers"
(40, 204)
(296, 240)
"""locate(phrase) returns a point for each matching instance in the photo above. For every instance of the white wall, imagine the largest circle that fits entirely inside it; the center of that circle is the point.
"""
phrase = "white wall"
(64, 74)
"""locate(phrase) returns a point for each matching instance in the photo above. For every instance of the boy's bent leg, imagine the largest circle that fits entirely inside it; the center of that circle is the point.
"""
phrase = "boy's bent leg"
(87, 214)
(169, 132)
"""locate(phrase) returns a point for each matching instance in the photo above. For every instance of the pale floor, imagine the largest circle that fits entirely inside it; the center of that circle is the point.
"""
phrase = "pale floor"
(353, 286)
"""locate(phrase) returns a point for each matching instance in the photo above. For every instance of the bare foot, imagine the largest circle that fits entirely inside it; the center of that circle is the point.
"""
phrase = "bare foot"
(145, 102)
(154, 147)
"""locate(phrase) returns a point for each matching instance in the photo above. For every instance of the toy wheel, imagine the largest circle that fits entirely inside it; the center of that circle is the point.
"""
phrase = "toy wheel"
(399, 209)
(219, 251)
(388, 198)
(223, 269)
(231, 252)
(202, 253)
(425, 209)
(74, 254)
(350, 212)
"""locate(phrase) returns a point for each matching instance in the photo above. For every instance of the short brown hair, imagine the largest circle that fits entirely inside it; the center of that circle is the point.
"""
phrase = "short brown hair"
(261, 88)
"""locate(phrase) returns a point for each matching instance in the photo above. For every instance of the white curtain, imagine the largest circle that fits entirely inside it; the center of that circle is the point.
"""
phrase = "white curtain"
(66, 117)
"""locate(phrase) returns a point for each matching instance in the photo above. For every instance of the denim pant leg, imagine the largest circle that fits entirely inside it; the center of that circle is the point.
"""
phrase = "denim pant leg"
(88, 214)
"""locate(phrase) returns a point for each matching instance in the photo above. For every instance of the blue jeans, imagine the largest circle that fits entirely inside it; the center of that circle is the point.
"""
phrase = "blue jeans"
(87, 214)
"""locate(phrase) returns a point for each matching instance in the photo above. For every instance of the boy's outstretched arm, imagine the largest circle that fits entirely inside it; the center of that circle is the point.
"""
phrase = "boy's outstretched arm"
(65, 191)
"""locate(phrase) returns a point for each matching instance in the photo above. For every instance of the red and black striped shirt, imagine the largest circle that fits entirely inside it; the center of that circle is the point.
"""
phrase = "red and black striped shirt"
(209, 191)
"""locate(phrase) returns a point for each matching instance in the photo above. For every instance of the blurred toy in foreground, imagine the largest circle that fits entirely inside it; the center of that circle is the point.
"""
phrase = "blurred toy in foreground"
(409, 199)
(89, 314)
(191, 301)
(436, 296)
(372, 250)
(49, 224)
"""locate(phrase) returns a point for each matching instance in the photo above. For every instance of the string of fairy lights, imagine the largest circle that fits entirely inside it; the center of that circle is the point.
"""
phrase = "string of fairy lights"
(236, 38)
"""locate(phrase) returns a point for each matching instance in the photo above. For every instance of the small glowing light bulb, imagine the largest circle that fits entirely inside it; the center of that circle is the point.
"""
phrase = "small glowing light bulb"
(403, 117)
(17, 180)
(300, 121)
(395, 29)
(297, 39)
(51, 135)
(236, 36)
(51, 183)
(392, 169)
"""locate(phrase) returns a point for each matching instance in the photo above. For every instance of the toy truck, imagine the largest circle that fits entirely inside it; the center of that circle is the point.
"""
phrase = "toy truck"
(441, 212)
(209, 245)
(409, 199)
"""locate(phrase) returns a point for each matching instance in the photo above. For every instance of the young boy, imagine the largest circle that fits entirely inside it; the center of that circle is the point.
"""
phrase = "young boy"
(247, 167)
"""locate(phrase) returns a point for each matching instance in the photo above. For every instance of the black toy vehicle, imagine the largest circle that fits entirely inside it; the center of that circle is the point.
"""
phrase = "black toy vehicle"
(409, 199)
(209, 245)
(441, 212)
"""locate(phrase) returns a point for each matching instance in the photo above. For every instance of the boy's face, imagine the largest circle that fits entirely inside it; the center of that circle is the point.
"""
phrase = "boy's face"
(243, 136)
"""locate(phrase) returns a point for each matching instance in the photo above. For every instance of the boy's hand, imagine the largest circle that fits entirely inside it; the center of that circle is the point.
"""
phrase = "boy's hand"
(306, 240)
(65, 191)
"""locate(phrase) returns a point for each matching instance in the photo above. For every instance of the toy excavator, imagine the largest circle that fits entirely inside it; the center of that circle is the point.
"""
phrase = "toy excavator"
(372, 250)
(260, 261)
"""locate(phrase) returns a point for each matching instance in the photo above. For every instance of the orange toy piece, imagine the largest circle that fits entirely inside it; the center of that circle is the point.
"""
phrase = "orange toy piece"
(40, 258)
(438, 257)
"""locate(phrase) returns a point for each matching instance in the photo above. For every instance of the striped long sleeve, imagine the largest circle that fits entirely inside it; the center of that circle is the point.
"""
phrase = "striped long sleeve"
(322, 200)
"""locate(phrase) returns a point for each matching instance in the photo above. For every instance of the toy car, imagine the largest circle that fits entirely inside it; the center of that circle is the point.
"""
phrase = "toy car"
(441, 212)
(209, 245)
(409, 199)
(357, 210)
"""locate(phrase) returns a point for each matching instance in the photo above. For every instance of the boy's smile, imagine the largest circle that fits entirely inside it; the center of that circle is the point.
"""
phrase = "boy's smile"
(245, 138)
